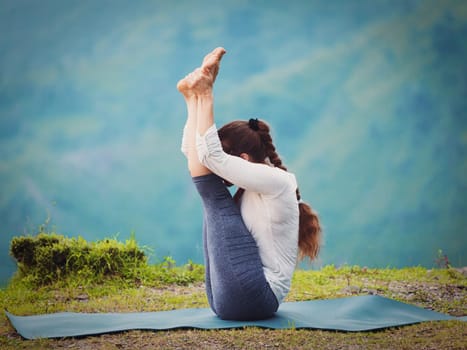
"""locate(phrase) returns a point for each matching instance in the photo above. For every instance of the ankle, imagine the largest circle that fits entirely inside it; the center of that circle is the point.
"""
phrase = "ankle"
(190, 98)
(205, 95)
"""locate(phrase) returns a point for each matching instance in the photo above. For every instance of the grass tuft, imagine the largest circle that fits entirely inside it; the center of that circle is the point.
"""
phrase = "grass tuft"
(50, 258)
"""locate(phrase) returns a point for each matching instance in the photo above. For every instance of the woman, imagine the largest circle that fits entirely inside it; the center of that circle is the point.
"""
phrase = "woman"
(252, 241)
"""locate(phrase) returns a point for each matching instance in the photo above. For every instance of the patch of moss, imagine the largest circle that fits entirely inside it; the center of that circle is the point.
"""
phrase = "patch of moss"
(49, 258)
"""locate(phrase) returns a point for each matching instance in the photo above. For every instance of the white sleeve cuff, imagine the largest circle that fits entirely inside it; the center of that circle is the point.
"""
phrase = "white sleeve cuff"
(209, 148)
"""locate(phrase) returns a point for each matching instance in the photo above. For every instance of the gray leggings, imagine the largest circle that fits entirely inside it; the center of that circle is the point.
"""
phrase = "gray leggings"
(235, 284)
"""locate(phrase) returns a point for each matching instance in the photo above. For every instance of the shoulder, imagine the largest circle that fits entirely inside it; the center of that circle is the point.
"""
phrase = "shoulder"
(288, 177)
(284, 180)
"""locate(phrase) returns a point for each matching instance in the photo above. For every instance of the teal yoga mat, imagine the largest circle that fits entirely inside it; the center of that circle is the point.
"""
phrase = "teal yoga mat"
(360, 313)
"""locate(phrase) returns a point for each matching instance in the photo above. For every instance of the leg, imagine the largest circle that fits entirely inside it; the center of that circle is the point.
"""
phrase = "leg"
(194, 165)
(197, 87)
(187, 87)
(239, 290)
(193, 87)
(207, 265)
(235, 282)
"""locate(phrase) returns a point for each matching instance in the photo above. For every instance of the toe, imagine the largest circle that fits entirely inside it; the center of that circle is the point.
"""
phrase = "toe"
(219, 51)
(213, 57)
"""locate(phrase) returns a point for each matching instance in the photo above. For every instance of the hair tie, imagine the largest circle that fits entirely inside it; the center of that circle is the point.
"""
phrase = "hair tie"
(253, 124)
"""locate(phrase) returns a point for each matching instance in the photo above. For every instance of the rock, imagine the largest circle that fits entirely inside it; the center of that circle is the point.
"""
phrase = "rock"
(351, 290)
(82, 297)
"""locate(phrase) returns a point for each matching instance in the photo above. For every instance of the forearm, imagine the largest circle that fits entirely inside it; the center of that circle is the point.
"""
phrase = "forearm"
(256, 177)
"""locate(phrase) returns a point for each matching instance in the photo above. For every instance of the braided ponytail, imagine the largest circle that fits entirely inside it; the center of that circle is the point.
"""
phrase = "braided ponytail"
(309, 232)
(254, 138)
(269, 148)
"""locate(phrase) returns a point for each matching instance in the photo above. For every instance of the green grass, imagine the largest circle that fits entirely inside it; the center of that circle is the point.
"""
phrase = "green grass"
(56, 273)
(440, 289)
(48, 258)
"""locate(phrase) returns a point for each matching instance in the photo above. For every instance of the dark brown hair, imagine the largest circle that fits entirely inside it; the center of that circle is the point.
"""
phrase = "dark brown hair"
(253, 138)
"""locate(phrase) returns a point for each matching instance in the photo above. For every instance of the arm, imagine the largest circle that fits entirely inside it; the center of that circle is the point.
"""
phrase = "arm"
(250, 176)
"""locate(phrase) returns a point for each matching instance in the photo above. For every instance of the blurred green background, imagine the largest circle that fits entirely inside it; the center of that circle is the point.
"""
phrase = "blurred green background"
(367, 101)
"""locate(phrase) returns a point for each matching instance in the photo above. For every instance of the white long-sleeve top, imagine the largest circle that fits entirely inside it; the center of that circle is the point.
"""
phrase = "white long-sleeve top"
(269, 207)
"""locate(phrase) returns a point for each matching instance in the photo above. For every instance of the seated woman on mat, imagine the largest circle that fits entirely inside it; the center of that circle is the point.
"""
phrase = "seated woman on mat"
(251, 241)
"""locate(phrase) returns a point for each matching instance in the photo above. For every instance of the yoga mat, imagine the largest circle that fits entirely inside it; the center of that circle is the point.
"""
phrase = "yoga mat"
(359, 313)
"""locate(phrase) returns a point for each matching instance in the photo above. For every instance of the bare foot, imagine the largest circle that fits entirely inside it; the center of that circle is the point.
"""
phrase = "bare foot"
(196, 83)
(211, 62)
(200, 81)
(185, 85)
